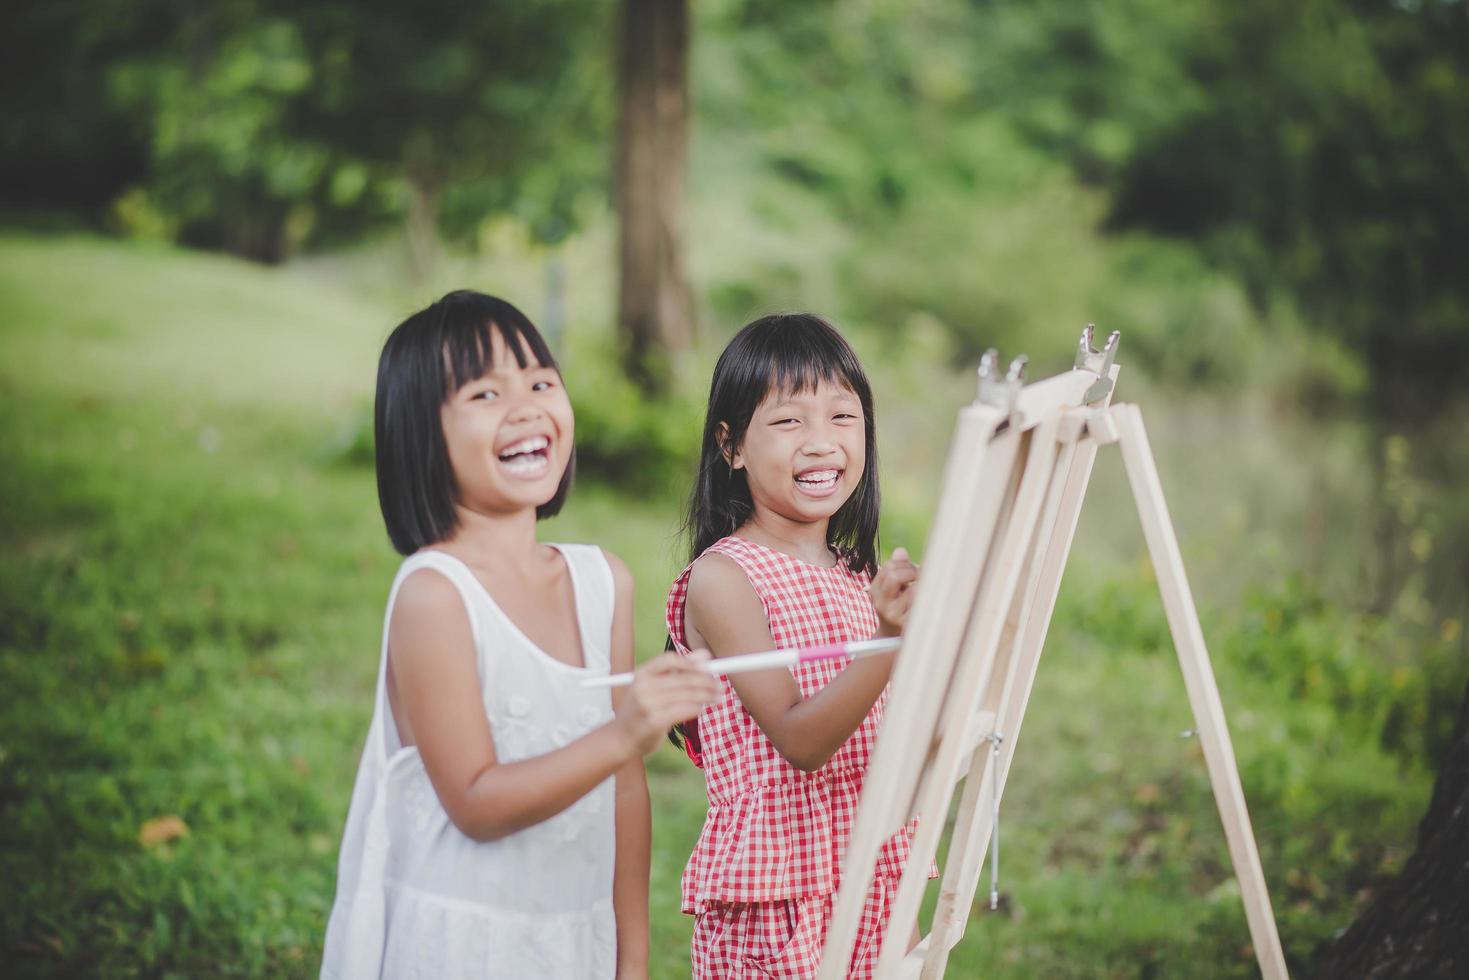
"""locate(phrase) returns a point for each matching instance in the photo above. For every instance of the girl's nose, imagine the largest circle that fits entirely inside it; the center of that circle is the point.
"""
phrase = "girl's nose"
(524, 412)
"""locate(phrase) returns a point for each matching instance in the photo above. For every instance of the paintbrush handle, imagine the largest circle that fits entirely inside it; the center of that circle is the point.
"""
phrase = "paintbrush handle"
(772, 658)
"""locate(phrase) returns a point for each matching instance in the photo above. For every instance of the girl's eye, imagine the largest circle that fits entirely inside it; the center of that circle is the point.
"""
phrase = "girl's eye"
(785, 421)
(845, 415)
(487, 394)
(541, 386)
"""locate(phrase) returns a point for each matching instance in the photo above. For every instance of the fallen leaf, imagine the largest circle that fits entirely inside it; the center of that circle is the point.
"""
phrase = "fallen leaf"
(161, 830)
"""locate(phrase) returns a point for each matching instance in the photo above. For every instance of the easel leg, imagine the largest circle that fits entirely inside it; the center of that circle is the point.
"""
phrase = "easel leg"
(1058, 529)
(968, 507)
(1203, 692)
(973, 676)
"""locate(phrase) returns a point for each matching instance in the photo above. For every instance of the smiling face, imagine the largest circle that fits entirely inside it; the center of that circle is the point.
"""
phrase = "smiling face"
(508, 434)
(804, 452)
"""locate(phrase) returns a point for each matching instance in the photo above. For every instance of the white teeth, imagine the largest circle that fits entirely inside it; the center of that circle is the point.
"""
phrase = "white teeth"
(818, 479)
(531, 445)
(526, 465)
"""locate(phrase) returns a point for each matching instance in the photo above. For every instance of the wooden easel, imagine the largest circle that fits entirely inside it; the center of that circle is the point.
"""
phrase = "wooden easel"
(1016, 477)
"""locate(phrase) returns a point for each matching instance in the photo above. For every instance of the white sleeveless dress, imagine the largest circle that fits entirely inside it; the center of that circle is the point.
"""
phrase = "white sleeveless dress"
(417, 898)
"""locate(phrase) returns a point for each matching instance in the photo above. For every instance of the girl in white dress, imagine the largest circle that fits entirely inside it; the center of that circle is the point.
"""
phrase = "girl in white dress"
(499, 827)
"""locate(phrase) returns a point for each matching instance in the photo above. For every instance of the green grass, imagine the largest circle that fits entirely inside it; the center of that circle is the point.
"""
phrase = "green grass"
(192, 572)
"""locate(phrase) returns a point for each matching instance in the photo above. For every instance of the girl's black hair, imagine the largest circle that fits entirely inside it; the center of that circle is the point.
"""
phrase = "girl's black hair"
(427, 358)
(785, 352)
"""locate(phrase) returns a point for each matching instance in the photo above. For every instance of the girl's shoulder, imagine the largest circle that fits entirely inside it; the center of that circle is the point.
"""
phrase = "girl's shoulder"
(617, 571)
(723, 568)
(452, 577)
(719, 569)
(593, 567)
(731, 561)
(715, 584)
(751, 554)
(433, 590)
(621, 574)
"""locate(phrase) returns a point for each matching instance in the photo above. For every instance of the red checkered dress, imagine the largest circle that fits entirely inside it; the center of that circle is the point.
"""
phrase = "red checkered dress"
(765, 869)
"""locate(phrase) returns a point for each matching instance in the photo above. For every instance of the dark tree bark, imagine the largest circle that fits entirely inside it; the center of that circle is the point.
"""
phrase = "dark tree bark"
(1418, 925)
(655, 313)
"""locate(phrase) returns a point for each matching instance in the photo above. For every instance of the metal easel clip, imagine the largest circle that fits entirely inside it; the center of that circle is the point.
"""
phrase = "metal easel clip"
(1099, 362)
(995, 390)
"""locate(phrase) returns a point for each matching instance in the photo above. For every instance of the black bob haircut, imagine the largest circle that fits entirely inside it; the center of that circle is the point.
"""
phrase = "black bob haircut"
(427, 358)
(786, 352)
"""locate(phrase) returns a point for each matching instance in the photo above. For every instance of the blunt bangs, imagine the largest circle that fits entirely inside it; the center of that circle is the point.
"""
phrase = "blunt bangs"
(427, 358)
(468, 351)
(804, 358)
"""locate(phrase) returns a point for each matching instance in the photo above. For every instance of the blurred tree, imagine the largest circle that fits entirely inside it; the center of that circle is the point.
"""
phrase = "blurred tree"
(1314, 153)
(63, 144)
(654, 307)
(1330, 159)
(212, 91)
(1329, 162)
(256, 125)
(471, 109)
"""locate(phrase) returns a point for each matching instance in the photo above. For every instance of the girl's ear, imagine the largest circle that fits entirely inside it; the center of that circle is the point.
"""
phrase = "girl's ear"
(731, 456)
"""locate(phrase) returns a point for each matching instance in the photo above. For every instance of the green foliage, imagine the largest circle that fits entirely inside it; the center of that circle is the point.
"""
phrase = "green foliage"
(485, 109)
(259, 127)
(1372, 699)
(1371, 676)
(1316, 149)
(1306, 158)
(1325, 704)
(966, 164)
(226, 170)
(642, 445)
(954, 184)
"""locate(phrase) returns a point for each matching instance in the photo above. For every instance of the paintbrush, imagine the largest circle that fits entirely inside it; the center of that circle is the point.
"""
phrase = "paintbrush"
(773, 658)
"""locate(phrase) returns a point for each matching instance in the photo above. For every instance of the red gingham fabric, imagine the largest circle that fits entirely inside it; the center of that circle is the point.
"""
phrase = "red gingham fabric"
(783, 940)
(774, 833)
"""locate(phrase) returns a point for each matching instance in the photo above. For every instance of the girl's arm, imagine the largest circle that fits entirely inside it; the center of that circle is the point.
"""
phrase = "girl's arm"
(724, 614)
(436, 689)
(634, 818)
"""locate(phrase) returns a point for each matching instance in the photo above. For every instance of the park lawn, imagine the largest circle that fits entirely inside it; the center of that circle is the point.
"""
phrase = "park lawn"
(192, 572)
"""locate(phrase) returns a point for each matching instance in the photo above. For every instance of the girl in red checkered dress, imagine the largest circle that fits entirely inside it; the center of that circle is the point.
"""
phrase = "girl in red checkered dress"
(783, 521)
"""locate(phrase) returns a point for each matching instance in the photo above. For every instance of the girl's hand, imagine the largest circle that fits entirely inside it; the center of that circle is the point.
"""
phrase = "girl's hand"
(664, 691)
(892, 592)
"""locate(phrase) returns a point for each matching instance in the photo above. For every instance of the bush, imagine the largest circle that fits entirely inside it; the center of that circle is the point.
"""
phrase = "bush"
(625, 439)
(1383, 680)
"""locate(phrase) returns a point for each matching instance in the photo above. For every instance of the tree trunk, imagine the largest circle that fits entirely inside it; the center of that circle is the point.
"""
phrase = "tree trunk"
(1418, 925)
(422, 227)
(655, 312)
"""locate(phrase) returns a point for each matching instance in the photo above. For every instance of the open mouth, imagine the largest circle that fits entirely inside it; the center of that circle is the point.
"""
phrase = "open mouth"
(818, 482)
(527, 458)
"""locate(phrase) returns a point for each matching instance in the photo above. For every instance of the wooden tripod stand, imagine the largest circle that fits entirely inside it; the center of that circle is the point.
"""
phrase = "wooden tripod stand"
(1018, 469)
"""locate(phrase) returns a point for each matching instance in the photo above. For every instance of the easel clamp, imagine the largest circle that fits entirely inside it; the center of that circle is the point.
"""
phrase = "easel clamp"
(1099, 362)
